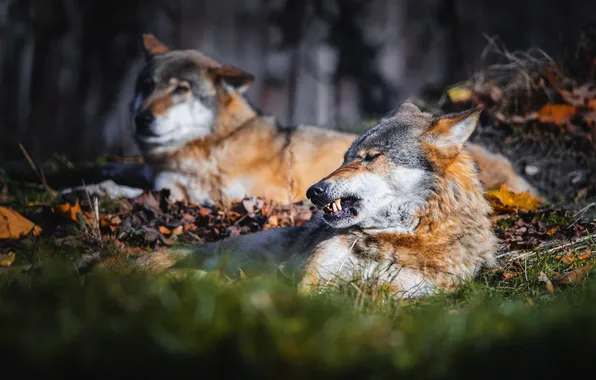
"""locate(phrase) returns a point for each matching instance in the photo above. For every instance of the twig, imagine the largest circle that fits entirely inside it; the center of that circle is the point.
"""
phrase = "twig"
(95, 207)
(522, 254)
(582, 211)
(38, 171)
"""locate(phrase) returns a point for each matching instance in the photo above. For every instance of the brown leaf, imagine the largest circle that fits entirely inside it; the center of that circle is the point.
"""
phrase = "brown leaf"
(188, 218)
(570, 258)
(566, 259)
(509, 275)
(166, 241)
(272, 222)
(13, 224)
(69, 211)
(178, 230)
(558, 114)
(586, 255)
(549, 285)
(7, 260)
(573, 277)
(164, 230)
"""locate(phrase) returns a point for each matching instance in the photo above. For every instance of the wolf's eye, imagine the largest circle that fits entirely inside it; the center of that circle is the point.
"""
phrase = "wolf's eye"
(181, 90)
(370, 157)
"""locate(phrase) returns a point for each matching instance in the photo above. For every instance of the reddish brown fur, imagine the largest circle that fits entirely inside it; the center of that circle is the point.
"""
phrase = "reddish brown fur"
(278, 166)
(152, 45)
(452, 240)
(450, 237)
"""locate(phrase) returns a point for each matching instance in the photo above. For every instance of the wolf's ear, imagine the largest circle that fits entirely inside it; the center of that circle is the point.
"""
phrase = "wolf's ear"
(153, 46)
(450, 132)
(232, 76)
(402, 109)
(406, 108)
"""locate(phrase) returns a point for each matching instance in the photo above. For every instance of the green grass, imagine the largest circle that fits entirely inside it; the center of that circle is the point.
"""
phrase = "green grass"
(122, 323)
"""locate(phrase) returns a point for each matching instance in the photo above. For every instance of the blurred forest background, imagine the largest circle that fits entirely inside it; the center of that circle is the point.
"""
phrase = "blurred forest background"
(68, 67)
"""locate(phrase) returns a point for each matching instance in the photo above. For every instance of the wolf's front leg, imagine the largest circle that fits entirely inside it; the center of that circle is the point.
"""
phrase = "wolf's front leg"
(182, 188)
(340, 261)
(331, 263)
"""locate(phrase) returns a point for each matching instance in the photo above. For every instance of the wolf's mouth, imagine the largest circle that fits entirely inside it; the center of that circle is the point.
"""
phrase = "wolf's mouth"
(342, 207)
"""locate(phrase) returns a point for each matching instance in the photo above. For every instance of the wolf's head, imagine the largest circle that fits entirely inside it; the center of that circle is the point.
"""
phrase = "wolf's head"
(177, 95)
(391, 170)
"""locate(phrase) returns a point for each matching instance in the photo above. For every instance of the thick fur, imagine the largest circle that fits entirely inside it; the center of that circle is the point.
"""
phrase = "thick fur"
(414, 215)
(205, 143)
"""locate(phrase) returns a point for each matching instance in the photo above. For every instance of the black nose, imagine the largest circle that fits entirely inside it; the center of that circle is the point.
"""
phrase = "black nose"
(315, 191)
(144, 119)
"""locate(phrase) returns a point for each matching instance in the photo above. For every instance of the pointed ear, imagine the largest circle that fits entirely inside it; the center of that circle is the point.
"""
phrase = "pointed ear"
(233, 77)
(406, 108)
(450, 132)
(403, 108)
(153, 46)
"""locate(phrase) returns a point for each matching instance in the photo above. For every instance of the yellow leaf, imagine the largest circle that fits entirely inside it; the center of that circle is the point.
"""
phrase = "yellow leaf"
(13, 225)
(502, 199)
(459, 94)
(69, 211)
(7, 260)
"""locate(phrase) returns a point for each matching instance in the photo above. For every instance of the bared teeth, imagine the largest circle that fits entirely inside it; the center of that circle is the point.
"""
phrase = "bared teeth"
(337, 203)
(334, 206)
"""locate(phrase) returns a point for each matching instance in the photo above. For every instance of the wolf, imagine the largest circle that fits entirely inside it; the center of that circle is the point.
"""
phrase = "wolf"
(205, 143)
(405, 208)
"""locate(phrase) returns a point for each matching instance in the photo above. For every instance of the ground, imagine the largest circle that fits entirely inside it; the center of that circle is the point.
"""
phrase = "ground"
(71, 303)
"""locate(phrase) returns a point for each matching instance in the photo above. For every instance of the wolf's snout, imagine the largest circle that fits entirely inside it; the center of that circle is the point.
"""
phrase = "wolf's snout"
(315, 192)
(143, 119)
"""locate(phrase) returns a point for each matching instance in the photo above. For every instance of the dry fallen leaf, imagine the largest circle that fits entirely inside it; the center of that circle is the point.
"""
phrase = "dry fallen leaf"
(586, 255)
(573, 277)
(69, 211)
(178, 230)
(549, 285)
(566, 259)
(502, 199)
(556, 113)
(459, 94)
(570, 258)
(164, 230)
(509, 275)
(7, 260)
(13, 224)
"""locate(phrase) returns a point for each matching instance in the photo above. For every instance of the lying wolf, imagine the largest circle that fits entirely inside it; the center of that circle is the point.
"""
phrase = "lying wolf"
(204, 142)
(405, 208)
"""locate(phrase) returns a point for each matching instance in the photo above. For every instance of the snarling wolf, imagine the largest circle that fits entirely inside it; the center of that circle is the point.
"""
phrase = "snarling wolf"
(204, 141)
(406, 208)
